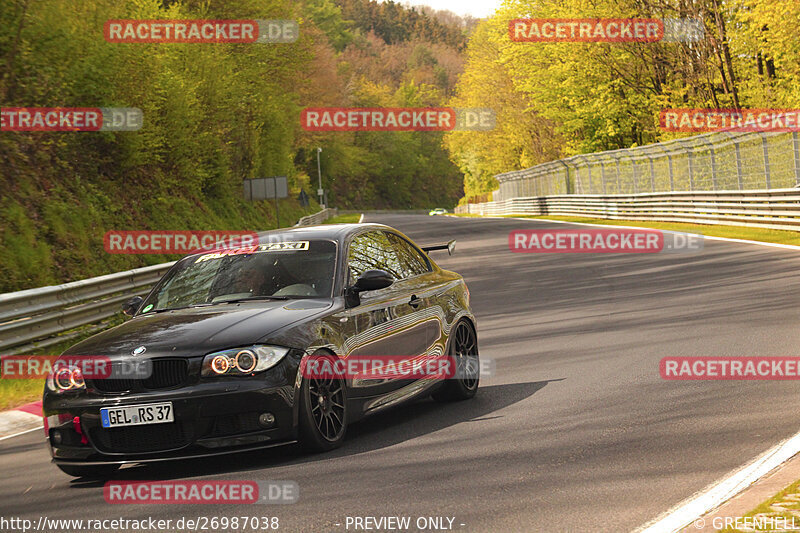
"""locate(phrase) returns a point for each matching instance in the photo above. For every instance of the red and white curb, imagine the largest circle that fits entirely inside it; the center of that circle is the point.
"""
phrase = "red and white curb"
(23, 419)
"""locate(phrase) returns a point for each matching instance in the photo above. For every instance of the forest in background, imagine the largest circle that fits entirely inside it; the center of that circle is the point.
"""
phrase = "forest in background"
(214, 115)
(218, 114)
(560, 99)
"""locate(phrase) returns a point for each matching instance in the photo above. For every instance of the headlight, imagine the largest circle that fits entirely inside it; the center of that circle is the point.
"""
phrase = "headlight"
(242, 361)
(65, 378)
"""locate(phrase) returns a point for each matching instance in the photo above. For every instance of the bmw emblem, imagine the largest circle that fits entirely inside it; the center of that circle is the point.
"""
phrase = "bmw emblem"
(139, 351)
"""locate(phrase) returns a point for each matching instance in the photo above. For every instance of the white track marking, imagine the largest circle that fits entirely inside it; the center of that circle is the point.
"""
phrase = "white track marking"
(20, 433)
(715, 495)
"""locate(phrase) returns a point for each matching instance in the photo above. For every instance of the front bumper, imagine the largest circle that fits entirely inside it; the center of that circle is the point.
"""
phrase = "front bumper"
(212, 417)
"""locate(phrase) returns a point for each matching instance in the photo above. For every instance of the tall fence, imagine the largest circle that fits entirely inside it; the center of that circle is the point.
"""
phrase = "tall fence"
(710, 162)
(773, 209)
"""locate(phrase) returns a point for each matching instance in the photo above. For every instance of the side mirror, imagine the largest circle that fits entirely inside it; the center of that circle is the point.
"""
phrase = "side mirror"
(130, 307)
(373, 280)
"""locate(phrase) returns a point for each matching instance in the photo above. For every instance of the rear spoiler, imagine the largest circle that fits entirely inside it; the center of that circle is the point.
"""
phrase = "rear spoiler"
(450, 247)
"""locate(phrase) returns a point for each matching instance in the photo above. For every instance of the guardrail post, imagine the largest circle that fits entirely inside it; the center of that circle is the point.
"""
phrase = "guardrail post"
(616, 160)
(796, 145)
(713, 166)
(652, 173)
(603, 175)
(691, 169)
(566, 169)
(633, 170)
(738, 163)
(588, 171)
(671, 173)
(765, 146)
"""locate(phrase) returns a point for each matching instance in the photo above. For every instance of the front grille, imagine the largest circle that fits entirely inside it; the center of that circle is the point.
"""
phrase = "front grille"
(114, 385)
(166, 373)
(137, 439)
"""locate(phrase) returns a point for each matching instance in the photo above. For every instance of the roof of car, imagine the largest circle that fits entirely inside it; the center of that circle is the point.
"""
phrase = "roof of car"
(323, 231)
(336, 232)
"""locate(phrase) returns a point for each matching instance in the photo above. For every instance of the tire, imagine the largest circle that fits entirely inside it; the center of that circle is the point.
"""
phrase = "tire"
(89, 472)
(464, 349)
(323, 411)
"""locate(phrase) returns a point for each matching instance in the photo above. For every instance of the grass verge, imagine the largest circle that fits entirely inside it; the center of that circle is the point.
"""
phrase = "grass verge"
(344, 219)
(16, 392)
(730, 232)
(783, 515)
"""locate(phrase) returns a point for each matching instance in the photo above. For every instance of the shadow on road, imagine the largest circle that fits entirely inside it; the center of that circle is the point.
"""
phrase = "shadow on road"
(373, 433)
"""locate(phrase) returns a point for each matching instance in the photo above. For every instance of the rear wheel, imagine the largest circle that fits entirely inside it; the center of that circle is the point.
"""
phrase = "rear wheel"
(464, 350)
(90, 472)
(323, 411)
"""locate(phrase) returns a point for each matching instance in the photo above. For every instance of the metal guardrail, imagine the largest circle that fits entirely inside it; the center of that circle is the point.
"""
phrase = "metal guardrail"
(317, 218)
(773, 209)
(710, 162)
(42, 314)
(37, 318)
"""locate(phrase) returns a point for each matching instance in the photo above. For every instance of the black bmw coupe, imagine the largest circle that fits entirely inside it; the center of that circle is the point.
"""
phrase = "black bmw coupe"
(224, 337)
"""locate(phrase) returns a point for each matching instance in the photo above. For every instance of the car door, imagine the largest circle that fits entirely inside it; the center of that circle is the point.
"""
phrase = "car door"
(387, 321)
(418, 284)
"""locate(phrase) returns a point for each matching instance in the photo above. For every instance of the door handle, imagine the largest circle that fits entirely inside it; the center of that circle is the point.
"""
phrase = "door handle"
(414, 301)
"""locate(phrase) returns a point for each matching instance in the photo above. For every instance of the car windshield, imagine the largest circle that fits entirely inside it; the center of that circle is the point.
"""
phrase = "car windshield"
(283, 270)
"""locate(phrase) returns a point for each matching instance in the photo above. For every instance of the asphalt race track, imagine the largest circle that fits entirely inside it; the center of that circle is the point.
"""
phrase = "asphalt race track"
(575, 432)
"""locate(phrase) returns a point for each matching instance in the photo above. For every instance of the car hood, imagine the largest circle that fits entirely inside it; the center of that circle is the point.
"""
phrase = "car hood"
(200, 330)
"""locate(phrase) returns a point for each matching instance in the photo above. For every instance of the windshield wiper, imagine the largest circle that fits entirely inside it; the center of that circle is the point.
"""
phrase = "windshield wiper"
(250, 298)
(208, 304)
(152, 311)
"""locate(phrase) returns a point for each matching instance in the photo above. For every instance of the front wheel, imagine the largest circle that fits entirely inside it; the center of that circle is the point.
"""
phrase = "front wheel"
(323, 411)
(464, 350)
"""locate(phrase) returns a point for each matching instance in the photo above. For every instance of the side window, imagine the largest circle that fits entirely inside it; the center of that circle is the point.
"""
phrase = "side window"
(372, 251)
(412, 262)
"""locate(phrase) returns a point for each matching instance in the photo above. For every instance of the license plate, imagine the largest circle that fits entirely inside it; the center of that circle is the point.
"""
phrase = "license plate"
(137, 415)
